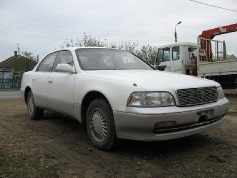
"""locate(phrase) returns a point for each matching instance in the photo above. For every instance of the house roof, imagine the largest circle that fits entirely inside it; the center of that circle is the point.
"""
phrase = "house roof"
(18, 63)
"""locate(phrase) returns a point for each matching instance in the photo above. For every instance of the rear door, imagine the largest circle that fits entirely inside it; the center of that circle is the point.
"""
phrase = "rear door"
(40, 79)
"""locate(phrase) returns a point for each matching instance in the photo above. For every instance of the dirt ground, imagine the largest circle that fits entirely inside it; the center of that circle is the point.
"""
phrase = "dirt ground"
(59, 147)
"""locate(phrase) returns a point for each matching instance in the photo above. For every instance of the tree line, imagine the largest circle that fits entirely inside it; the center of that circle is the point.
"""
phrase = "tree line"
(145, 52)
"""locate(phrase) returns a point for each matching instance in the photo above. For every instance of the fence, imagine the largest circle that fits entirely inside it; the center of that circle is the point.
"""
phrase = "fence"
(9, 83)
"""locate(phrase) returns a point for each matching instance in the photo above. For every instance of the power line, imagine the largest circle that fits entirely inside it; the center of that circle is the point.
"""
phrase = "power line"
(214, 6)
(142, 40)
(45, 34)
(62, 34)
(70, 32)
(58, 27)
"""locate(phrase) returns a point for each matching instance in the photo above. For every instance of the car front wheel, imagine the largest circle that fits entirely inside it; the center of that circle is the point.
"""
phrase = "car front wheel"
(33, 111)
(100, 125)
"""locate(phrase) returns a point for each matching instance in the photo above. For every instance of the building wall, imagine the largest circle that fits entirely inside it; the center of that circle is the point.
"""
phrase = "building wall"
(5, 75)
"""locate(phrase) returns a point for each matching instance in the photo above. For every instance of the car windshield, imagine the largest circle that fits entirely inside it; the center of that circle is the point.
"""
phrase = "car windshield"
(109, 59)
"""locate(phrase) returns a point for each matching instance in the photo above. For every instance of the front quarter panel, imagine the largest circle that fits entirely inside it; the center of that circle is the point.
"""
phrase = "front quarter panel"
(116, 92)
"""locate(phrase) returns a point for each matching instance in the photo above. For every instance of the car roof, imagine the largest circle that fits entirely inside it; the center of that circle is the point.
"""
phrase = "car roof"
(179, 44)
(75, 48)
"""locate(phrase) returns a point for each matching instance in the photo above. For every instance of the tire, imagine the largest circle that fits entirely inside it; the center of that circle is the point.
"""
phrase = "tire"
(100, 125)
(34, 112)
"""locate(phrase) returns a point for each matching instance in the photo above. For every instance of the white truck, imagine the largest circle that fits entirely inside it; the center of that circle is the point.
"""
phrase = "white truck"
(207, 58)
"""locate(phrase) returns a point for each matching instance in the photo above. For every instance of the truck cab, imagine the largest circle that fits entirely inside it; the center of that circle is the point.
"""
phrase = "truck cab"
(176, 57)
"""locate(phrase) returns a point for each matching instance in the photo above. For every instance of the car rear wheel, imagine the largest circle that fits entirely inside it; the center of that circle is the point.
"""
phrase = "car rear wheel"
(33, 111)
(100, 125)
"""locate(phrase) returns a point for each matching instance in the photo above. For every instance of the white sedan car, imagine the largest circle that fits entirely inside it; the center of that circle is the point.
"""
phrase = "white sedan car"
(119, 96)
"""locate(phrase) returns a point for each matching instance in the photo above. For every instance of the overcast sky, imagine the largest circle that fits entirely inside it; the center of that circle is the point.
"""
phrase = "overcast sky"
(41, 26)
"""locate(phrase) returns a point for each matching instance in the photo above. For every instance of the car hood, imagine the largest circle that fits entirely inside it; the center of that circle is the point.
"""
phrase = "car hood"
(153, 80)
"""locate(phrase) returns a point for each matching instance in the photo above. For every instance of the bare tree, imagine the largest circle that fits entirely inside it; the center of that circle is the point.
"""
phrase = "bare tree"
(146, 52)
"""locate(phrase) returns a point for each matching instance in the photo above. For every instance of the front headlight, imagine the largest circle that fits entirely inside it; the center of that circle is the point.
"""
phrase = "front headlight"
(150, 99)
(220, 92)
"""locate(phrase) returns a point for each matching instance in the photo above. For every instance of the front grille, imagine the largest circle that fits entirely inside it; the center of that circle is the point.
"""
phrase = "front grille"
(197, 96)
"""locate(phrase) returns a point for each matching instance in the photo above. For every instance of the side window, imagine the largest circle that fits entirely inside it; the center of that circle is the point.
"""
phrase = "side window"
(47, 63)
(159, 56)
(166, 56)
(192, 53)
(163, 55)
(175, 53)
(64, 57)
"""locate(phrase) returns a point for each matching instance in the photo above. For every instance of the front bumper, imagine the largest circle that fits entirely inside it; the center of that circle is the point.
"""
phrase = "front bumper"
(140, 123)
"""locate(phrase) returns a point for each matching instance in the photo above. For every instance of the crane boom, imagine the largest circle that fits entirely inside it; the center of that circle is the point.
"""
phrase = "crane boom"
(210, 34)
(207, 35)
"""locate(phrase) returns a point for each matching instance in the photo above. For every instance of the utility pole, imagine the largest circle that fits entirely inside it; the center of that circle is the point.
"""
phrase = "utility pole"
(175, 33)
(37, 58)
(18, 48)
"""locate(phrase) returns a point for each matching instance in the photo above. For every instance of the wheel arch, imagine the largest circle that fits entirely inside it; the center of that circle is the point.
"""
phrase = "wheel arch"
(27, 90)
(88, 98)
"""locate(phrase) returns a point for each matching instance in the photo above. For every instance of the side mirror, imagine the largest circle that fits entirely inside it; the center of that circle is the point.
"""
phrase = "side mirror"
(65, 68)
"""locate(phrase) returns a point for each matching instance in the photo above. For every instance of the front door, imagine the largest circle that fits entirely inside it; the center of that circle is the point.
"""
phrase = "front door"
(176, 63)
(60, 87)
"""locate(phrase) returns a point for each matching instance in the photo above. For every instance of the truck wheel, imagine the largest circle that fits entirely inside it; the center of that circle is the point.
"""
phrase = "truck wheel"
(100, 125)
(33, 111)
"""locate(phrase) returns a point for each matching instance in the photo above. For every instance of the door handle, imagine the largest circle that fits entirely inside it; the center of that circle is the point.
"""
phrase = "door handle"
(33, 79)
(50, 81)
